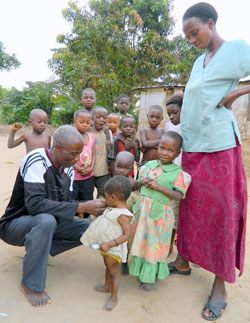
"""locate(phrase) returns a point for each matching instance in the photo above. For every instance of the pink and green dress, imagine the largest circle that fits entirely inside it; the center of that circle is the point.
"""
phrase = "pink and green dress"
(154, 220)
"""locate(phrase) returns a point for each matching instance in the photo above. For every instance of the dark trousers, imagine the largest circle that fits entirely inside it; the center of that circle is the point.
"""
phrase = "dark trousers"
(99, 182)
(41, 234)
(83, 190)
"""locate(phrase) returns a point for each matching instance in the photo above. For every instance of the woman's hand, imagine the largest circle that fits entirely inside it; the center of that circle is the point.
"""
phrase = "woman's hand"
(228, 100)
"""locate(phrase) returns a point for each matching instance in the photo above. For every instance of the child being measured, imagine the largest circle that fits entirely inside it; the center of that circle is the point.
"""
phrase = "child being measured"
(161, 181)
(111, 231)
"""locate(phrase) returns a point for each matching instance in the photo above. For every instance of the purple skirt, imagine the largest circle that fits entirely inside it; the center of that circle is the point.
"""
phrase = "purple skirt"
(212, 218)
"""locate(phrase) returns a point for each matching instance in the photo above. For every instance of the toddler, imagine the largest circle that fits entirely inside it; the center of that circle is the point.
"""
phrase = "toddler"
(37, 138)
(83, 186)
(126, 140)
(111, 231)
(161, 181)
(151, 136)
(113, 122)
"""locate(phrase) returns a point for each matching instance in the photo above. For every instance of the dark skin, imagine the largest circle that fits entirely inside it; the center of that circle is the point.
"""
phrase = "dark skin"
(150, 137)
(37, 138)
(127, 128)
(112, 278)
(64, 155)
(204, 36)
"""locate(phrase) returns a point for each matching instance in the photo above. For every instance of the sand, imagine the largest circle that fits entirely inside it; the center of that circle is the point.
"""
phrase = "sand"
(71, 278)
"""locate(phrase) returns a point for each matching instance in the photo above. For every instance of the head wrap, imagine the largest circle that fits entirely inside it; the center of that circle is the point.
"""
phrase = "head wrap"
(201, 10)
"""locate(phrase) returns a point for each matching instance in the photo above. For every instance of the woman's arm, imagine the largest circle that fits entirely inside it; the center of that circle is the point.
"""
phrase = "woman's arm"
(228, 100)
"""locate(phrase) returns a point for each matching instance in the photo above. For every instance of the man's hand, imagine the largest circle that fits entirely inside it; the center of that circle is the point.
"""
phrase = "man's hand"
(95, 207)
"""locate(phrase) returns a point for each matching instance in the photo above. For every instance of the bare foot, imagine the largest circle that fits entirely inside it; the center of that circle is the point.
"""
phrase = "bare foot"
(103, 289)
(111, 304)
(35, 298)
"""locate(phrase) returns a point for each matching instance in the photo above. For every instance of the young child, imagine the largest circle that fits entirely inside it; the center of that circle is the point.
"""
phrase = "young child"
(124, 163)
(111, 230)
(123, 103)
(103, 149)
(161, 181)
(174, 105)
(83, 186)
(126, 140)
(37, 138)
(113, 122)
(151, 136)
(88, 99)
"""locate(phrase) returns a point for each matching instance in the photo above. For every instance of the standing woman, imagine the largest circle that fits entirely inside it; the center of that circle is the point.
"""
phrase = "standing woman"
(212, 223)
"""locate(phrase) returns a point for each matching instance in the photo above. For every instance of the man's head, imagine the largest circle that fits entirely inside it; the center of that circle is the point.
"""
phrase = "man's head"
(38, 120)
(67, 146)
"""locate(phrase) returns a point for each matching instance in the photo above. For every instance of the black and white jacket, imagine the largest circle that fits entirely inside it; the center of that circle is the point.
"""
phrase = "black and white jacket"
(41, 187)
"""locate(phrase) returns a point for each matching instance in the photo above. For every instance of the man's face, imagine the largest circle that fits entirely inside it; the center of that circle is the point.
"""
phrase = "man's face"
(69, 153)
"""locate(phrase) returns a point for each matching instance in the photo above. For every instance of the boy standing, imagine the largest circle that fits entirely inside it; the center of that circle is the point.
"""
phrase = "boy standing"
(37, 138)
(88, 99)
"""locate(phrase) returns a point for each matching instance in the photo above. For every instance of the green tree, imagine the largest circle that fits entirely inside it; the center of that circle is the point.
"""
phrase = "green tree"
(117, 45)
(7, 62)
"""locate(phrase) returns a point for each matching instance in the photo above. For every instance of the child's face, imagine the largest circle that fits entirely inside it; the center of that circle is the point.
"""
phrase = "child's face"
(174, 112)
(83, 122)
(168, 150)
(113, 123)
(39, 122)
(88, 99)
(110, 199)
(99, 119)
(123, 105)
(127, 127)
(154, 118)
(123, 167)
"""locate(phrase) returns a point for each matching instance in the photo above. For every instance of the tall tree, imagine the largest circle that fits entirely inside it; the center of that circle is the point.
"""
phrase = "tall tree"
(7, 62)
(117, 45)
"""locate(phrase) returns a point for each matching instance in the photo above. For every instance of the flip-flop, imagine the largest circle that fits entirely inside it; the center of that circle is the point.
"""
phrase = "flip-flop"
(173, 270)
(214, 309)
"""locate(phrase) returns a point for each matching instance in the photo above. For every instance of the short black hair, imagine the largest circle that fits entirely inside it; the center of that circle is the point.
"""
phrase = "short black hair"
(78, 112)
(89, 89)
(97, 109)
(127, 117)
(175, 99)
(201, 10)
(118, 185)
(122, 96)
(174, 135)
(156, 107)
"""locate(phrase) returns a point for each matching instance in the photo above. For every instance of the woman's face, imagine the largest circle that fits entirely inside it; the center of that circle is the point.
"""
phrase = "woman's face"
(198, 32)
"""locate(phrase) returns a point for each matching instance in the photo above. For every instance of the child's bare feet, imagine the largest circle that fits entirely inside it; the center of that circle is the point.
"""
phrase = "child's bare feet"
(35, 298)
(103, 289)
(111, 304)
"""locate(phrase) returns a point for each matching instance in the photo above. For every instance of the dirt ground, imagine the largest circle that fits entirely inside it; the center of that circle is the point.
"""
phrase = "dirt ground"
(71, 277)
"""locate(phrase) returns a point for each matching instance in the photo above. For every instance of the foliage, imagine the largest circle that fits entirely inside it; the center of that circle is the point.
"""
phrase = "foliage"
(7, 62)
(118, 45)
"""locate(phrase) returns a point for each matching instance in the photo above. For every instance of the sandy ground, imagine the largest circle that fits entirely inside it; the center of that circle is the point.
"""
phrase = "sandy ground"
(72, 276)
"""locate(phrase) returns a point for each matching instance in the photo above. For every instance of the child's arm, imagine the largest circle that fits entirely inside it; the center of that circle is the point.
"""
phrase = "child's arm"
(124, 221)
(11, 142)
(49, 143)
(173, 195)
(130, 143)
(148, 143)
(93, 159)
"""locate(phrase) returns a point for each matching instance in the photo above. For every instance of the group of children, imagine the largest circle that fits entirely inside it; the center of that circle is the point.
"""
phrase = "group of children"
(142, 202)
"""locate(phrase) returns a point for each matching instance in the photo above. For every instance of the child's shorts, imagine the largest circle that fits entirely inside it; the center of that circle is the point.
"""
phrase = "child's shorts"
(118, 259)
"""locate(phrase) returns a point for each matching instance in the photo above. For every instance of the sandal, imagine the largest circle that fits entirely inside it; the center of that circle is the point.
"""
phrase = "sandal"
(215, 310)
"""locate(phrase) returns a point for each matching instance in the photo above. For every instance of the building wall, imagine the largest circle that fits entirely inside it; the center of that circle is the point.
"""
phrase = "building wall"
(160, 95)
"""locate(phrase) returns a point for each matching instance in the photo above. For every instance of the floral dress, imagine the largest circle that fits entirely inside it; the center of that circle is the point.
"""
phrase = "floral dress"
(154, 220)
